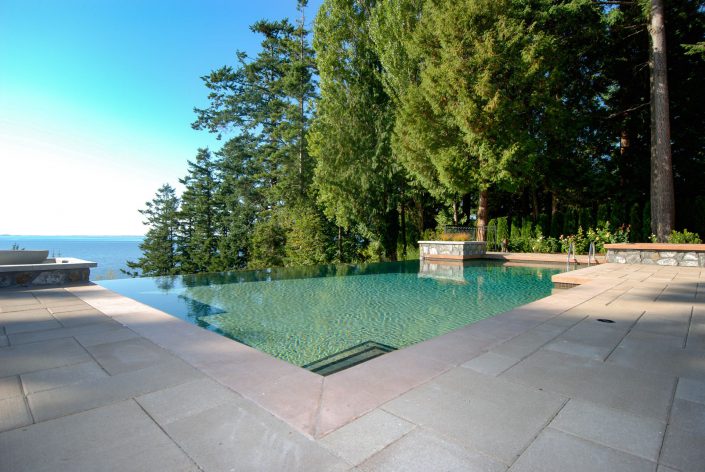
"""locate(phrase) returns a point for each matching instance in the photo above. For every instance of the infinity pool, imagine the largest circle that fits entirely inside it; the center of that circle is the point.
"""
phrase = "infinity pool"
(303, 315)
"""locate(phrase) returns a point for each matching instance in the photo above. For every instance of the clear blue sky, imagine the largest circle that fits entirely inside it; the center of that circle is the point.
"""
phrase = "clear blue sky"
(96, 100)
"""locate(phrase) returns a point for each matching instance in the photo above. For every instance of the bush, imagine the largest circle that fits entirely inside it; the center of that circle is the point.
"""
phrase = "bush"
(502, 229)
(544, 245)
(617, 214)
(526, 228)
(684, 237)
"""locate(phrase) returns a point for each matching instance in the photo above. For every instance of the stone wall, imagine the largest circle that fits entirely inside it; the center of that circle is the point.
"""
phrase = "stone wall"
(44, 277)
(684, 255)
(452, 250)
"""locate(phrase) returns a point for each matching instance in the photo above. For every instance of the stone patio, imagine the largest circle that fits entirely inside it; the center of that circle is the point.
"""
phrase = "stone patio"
(91, 380)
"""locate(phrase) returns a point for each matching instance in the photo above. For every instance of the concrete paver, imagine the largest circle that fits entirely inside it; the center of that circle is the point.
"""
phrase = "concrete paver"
(636, 435)
(115, 437)
(554, 451)
(90, 380)
(360, 439)
(421, 451)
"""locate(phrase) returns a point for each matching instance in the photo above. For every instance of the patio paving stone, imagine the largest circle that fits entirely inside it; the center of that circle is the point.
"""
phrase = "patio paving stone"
(49, 379)
(554, 451)
(367, 435)
(636, 435)
(240, 435)
(40, 356)
(483, 413)
(423, 451)
(82, 442)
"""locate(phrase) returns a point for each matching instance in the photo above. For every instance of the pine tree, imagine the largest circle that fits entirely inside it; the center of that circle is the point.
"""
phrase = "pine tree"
(199, 214)
(159, 244)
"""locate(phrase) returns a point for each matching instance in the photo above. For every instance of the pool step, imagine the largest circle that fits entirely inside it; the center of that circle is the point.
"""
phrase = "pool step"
(349, 357)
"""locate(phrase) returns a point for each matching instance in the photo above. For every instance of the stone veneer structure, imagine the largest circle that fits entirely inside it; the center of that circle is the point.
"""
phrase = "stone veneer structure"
(452, 250)
(685, 255)
(57, 271)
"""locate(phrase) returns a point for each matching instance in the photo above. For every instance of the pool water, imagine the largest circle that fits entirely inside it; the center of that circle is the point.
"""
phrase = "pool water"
(305, 314)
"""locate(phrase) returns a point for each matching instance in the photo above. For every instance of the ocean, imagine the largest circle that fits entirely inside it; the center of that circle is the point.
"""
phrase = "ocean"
(110, 252)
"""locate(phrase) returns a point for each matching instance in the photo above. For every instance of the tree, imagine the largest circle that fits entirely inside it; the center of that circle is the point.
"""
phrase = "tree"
(663, 204)
(159, 244)
(199, 214)
(358, 181)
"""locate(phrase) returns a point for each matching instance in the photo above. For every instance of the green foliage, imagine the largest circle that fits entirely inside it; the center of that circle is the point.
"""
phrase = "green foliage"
(526, 228)
(556, 224)
(646, 223)
(160, 242)
(351, 134)
(544, 245)
(502, 229)
(585, 218)
(617, 217)
(599, 236)
(684, 237)
(570, 222)
(635, 223)
(306, 239)
(268, 245)
(515, 234)
(603, 214)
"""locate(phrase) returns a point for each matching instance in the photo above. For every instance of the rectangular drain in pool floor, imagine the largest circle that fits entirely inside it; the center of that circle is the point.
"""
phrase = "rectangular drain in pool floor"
(348, 358)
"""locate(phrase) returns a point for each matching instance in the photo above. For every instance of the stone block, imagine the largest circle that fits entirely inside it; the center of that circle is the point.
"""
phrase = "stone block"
(633, 257)
(685, 263)
(364, 437)
(667, 262)
(620, 259)
(667, 254)
(690, 256)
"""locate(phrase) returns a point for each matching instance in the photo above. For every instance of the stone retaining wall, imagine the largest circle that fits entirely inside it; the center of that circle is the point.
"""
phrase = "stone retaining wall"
(684, 255)
(452, 250)
(47, 277)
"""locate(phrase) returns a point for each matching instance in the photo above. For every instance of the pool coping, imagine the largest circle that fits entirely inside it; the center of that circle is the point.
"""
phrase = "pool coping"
(316, 405)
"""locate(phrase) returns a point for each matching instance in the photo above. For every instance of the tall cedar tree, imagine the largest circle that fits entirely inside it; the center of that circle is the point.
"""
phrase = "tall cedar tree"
(358, 181)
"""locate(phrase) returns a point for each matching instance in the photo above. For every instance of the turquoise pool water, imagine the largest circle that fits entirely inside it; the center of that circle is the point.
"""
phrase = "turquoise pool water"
(305, 314)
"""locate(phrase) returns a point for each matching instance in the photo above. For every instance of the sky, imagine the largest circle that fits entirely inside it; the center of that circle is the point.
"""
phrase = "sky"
(96, 102)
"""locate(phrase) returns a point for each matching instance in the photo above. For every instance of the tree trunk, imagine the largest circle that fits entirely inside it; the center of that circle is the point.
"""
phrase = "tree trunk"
(482, 214)
(455, 212)
(391, 235)
(662, 198)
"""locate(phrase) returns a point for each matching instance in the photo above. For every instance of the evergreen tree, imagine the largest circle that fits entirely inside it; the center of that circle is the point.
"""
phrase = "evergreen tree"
(360, 185)
(159, 244)
(199, 213)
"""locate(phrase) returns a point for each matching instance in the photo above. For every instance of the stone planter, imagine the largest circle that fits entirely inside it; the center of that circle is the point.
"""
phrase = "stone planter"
(452, 250)
(684, 255)
(13, 257)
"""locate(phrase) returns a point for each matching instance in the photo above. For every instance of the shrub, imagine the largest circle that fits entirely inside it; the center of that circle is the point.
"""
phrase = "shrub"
(455, 237)
(526, 228)
(684, 237)
(502, 229)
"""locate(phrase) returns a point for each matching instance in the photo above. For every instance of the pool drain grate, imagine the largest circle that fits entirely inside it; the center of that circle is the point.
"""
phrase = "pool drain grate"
(348, 358)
